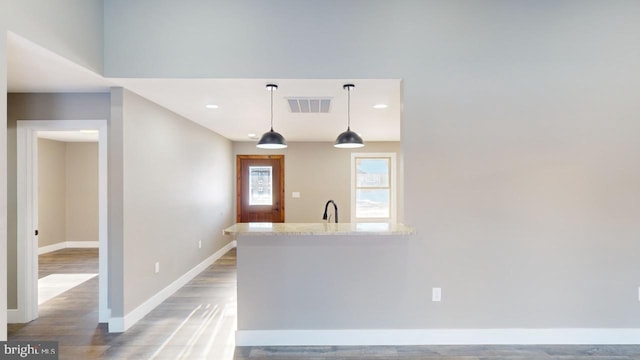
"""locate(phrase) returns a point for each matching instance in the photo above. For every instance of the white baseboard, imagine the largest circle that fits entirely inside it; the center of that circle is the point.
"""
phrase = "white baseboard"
(51, 248)
(569, 336)
(14, 317)
(116, 325)
(122, 324)
(104, 315)
(67, 244)
(82, 244)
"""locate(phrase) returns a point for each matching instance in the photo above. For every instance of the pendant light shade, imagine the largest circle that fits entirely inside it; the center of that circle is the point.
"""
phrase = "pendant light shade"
(272, 139)
(349, 139)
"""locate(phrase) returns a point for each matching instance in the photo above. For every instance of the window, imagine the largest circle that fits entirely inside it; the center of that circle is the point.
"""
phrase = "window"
(260, 185)
(373, 187)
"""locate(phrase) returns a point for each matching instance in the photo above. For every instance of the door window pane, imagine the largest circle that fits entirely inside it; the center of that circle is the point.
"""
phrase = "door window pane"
(260, 190)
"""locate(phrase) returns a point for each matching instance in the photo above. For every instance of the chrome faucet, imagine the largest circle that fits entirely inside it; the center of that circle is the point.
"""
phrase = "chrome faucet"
(335, 211)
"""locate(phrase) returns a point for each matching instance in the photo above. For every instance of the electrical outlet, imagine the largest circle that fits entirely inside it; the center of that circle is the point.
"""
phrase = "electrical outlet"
(199, 244)
(436, 294)
(295, 194)
(157, 267)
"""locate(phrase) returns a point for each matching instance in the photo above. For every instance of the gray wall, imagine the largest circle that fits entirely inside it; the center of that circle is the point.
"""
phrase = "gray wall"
(67, 191)
(176, 181)
(52, 192)
(3, 179)
(319, 172)
(81, 161)
(518, 135)
(175, 174)
(518, 139)
(345, 273)
(71, 28)
(41, 106)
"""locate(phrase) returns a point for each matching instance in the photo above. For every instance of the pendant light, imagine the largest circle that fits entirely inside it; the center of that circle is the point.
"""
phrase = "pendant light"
(348, 139)
(271, 139)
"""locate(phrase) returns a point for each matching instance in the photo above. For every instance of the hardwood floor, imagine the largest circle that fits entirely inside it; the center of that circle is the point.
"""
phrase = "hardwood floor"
(198, 322)
(466, 352)
(68, 261)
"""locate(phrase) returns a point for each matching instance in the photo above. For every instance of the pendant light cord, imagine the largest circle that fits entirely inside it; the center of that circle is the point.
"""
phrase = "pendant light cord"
(271, 89)
(348, 87)
(348, 108)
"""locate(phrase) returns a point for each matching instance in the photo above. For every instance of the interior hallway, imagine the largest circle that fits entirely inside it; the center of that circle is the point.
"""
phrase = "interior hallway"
(199, 320)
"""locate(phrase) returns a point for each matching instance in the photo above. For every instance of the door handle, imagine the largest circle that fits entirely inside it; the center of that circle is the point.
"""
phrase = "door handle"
(36, 232)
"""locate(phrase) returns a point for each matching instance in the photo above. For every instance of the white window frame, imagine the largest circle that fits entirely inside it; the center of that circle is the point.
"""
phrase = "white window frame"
(393, 188)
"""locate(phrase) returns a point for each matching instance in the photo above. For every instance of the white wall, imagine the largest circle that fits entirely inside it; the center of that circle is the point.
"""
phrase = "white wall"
(177, 178)
(518, 135)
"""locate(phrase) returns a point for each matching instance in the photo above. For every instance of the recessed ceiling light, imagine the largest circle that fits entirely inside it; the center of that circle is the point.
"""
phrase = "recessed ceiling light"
(252, 136)
(380, 106)
(211, 106)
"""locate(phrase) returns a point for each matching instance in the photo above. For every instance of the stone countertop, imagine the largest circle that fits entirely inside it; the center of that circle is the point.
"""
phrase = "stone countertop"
(318, 229)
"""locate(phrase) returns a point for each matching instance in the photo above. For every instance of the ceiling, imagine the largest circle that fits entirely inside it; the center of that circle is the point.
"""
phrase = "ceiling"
(243, 104)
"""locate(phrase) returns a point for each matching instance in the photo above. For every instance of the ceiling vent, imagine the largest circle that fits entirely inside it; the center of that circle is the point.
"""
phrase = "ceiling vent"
(309, 105)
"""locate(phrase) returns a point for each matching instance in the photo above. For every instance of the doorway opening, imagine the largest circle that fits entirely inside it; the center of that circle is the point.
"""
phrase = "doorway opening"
(27, 201)
(67, 211)
(260, 188)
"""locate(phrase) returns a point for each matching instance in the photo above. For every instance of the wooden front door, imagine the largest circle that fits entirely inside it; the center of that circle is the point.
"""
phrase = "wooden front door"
(260, 188)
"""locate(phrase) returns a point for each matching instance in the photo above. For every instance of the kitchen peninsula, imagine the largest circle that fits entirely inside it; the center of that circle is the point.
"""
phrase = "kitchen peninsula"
(306, 283)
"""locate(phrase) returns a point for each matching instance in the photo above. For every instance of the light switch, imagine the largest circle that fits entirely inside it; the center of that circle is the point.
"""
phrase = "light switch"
(436, 294)
(295, 194)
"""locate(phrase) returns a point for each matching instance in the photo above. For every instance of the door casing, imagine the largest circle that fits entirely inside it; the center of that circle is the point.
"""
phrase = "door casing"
(27, 214)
